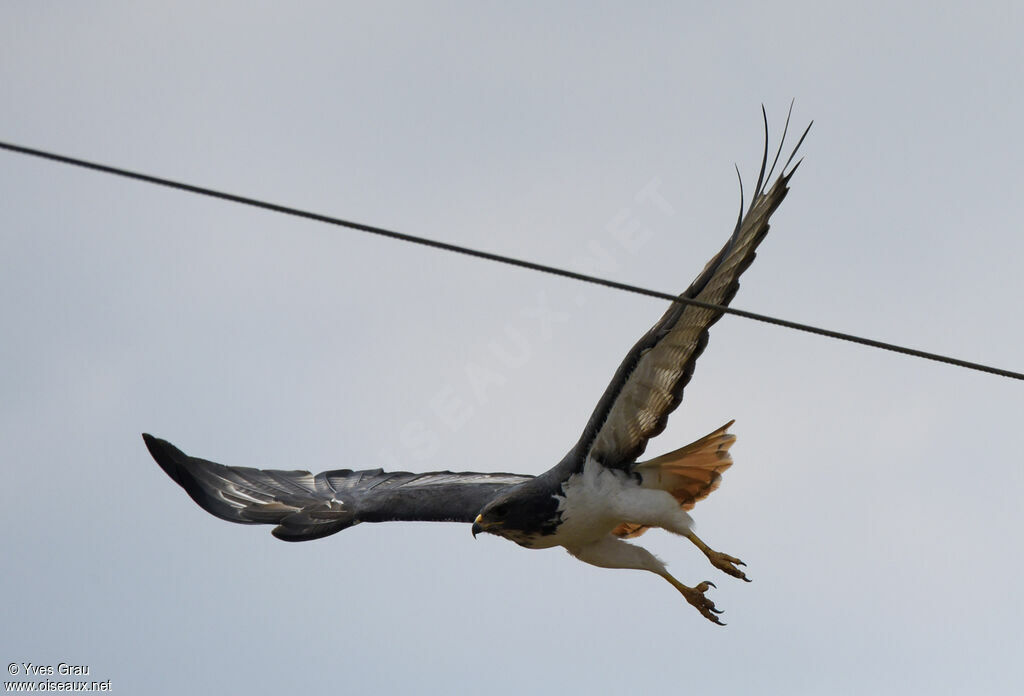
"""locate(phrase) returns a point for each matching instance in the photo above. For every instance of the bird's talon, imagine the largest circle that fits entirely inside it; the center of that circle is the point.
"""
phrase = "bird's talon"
(727, 564)
(695, 597)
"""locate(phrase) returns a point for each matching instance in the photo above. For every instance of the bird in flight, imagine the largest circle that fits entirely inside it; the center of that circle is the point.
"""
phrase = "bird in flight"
(589, 503)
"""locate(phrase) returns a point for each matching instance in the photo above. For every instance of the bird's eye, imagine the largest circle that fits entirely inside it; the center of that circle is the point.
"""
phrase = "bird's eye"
(500, 510)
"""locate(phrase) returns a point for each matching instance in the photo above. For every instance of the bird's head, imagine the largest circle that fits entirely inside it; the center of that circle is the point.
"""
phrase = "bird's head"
(520, 515)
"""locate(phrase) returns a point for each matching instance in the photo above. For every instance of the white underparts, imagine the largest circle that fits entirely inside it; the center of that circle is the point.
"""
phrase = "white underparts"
(596, 501)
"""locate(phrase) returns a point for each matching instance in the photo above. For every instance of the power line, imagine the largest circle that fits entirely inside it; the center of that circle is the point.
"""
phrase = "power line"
(138, 176)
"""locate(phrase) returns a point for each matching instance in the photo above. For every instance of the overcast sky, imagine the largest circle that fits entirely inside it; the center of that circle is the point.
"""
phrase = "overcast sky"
(875, 497)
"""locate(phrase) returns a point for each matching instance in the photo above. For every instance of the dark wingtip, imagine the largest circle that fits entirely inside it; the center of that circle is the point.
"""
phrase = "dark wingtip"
(782, 141)
(157, 447)
(797, 149)
(792, 171)
(764, 162)
(169, 457)
(187, 472)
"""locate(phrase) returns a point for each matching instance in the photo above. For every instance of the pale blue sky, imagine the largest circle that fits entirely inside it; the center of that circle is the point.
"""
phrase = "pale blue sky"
(874, 497)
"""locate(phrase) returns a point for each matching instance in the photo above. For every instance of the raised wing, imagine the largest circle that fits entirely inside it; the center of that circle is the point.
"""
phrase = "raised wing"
(305, 506)
(649, 383)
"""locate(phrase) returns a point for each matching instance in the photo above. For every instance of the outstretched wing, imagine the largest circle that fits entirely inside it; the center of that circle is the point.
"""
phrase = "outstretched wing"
(649, 383)
(305, 506)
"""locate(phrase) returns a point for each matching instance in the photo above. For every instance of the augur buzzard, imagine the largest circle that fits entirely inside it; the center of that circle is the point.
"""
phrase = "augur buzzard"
(597, 496)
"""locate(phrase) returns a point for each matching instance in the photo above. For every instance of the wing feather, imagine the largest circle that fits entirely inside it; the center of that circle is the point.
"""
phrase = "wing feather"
(649, 383)
(305, 506)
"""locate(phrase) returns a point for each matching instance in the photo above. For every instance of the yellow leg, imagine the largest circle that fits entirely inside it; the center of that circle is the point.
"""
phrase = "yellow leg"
(695, 596)
(610, 552)
(725, 563)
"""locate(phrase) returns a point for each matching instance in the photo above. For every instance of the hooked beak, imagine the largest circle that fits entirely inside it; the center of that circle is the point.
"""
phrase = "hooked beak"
(477, 527)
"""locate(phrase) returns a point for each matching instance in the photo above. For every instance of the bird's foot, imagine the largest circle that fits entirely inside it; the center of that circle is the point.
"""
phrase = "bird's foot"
(723, 561)
(727, 564)
(695, 596)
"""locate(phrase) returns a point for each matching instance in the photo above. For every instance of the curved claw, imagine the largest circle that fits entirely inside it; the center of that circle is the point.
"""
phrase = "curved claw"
(695, 597)
(727, 564)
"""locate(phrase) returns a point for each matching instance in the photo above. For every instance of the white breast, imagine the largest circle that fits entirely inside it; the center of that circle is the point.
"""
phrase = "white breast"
(596, 501)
